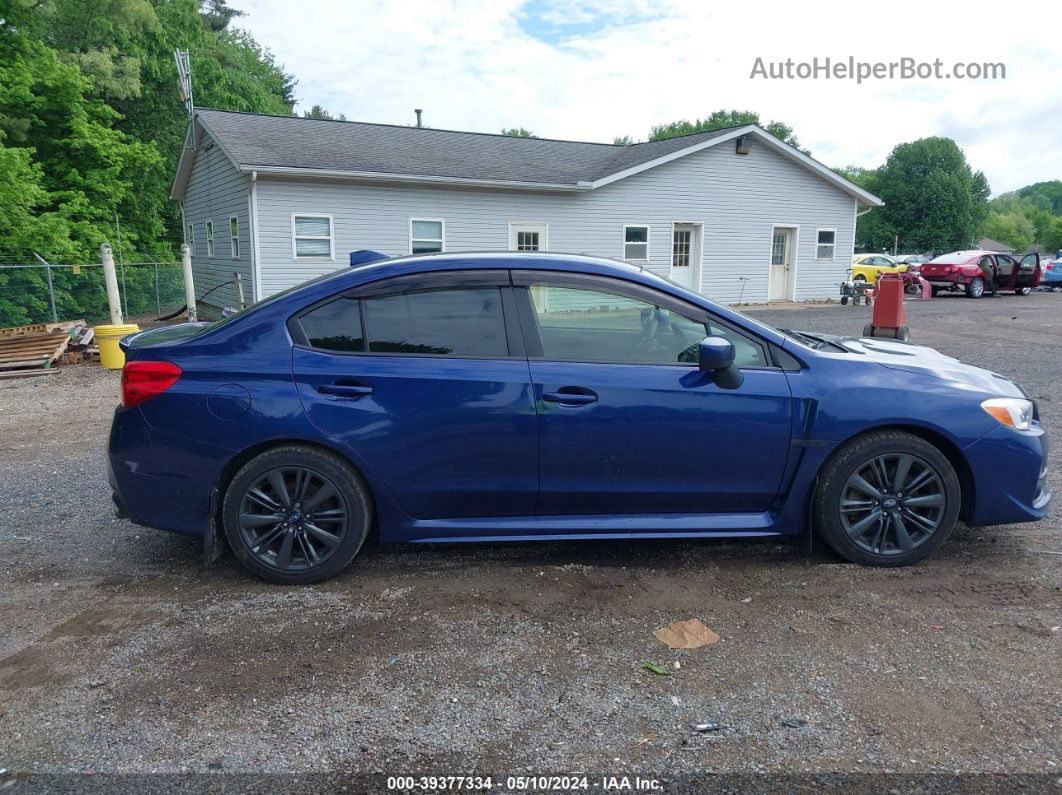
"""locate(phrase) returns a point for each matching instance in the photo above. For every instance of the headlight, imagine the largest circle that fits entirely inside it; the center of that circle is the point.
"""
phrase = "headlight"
(1013, 412)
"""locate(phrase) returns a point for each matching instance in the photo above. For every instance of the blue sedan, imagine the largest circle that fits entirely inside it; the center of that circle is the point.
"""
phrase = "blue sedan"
(486, 397)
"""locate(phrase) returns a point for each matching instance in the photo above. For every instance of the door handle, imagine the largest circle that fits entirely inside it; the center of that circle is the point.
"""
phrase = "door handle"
(568, 396)
(350, 391)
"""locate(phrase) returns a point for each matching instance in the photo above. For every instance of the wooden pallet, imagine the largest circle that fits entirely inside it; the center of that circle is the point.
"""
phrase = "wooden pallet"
(35, 348)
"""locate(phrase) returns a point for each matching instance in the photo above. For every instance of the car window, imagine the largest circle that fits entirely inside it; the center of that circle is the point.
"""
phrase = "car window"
(748, 352)
(335, 326)
(1003, 259)
(456, 321)
(581, 325)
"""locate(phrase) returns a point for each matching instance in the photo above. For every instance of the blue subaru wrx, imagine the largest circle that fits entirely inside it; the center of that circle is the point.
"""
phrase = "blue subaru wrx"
(472, 397)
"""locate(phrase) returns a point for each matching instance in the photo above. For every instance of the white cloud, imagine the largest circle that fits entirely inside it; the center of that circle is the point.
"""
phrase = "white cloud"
(592, 70)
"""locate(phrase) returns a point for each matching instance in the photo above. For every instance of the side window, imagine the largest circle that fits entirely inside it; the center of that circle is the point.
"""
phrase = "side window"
(335, 326)
(459, 321)
(582, 325)
(748, 352)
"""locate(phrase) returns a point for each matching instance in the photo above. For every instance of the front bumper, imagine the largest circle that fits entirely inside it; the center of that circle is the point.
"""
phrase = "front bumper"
(1010, 476)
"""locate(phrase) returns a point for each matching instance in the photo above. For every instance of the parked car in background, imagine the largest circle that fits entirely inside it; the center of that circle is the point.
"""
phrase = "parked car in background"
(964, 271)
(912, 261)
(1051, 273)
(516, 397)
(866, 267)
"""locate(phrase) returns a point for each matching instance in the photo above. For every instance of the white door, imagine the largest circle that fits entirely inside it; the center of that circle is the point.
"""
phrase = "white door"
(686, 256)
(781, 264)
(528, 237)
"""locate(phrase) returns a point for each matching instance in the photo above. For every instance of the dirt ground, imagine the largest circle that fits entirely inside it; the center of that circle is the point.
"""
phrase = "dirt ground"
(120, 653)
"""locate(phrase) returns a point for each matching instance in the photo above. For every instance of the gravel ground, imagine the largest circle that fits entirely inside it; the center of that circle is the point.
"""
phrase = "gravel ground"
(122, 654)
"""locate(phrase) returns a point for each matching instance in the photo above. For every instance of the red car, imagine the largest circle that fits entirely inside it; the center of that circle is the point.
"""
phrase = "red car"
(965, 270)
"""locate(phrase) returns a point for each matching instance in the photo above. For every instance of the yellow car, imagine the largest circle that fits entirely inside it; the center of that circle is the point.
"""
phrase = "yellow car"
(866, 267)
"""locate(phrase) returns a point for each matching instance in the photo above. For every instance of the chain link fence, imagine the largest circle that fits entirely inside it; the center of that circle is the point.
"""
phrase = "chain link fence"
(38, 293)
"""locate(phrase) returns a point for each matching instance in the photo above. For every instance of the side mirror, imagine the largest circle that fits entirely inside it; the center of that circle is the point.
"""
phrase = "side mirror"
(716, 355)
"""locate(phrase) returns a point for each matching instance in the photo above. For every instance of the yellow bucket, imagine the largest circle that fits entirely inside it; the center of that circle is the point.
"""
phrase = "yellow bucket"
(107, 337)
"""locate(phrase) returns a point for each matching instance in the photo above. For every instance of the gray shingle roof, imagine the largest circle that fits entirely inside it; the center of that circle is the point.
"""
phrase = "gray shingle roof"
(294, 142)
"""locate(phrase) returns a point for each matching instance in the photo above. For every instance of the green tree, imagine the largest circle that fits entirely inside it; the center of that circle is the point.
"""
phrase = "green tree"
(518, 132)
(933, 199)
(623, 140)
(1012, 229)
(1050, 191)
(319, 112)
(722, 119)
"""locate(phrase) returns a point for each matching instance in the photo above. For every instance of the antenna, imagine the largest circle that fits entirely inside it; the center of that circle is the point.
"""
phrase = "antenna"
(184, 88)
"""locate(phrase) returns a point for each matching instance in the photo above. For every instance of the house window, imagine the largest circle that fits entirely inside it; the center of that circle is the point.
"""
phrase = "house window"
(311, 237)
(234, 236)
(825, 244)
(189, 236)
(635, 242)
(426, 235)
(210, 238)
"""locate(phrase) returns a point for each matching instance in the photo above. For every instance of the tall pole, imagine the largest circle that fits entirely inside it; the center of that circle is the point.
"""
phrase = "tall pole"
(189, 286)
(51, 287)
(110, 280)
(121, 265)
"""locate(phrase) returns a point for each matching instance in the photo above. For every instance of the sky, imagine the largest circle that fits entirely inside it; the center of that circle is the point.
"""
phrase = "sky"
(592, 70)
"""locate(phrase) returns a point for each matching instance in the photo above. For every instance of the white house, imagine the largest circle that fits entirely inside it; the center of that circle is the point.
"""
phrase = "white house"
(735, 214)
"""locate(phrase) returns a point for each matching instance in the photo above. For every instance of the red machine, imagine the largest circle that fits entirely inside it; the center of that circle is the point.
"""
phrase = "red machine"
(889, 319)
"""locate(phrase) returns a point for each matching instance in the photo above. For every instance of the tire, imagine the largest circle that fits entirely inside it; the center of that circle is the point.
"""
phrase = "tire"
(859, 278)
(868, 330)
(1023, 291)
(976, 288)
(319, 543)
(903, 334)
(844, 300)
(925, 526)
(935, 291)
(912, 289)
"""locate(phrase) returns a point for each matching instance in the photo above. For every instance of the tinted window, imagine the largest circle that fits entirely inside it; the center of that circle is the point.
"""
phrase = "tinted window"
(335, 326)
(582, 325)
(456, 322)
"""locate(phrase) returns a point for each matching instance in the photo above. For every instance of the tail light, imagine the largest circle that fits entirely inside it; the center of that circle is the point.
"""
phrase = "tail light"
(144, 380)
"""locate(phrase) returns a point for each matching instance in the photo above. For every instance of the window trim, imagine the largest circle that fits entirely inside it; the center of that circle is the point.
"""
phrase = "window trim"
(833, 245)
(442, 232)
(210, 238)
(331, 238)
(234, 240)
(647, 244)
(189, 236)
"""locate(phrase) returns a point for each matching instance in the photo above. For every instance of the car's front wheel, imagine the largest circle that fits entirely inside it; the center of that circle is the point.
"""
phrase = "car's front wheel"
(887, 499)
(296, 514)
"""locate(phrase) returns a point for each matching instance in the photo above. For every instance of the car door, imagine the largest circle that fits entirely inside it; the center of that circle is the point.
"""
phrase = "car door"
(628, 424)
(1029, 272)
(424, 378)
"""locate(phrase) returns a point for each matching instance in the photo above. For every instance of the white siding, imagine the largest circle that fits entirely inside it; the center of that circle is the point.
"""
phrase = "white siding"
(737, 198)
(216, 192)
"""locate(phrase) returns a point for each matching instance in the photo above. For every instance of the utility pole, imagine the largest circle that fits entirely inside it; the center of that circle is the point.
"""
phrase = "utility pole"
(110, 279)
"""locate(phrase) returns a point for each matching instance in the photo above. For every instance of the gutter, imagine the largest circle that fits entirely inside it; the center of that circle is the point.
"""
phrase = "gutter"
(416, 179)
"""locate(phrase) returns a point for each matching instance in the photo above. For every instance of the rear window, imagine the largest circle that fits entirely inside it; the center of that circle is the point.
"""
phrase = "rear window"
(335, 326)
(464, 321)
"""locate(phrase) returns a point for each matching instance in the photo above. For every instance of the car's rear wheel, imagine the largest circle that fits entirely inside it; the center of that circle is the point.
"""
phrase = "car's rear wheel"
(976, 288)
(887, 499)
(1023, 291)
(296, 514)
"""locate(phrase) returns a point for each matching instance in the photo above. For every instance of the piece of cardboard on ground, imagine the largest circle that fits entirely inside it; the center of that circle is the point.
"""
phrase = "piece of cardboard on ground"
(689, 634)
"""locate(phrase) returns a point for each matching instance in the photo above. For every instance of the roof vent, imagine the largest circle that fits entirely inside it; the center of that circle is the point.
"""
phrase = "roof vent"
(744, 145)
(418, 111)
